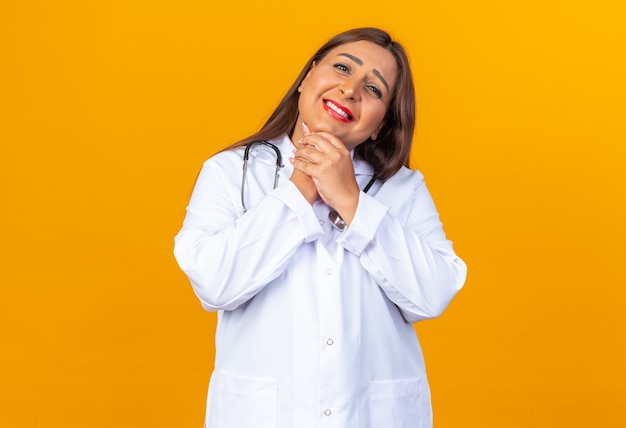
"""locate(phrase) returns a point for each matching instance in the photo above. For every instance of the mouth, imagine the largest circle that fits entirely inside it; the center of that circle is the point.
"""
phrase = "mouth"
(338, 111)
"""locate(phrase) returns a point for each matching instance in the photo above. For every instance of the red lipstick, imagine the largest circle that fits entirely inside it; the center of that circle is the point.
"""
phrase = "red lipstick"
(338, 111)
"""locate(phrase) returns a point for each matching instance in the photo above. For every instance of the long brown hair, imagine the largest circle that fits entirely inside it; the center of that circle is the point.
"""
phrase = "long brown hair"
(390, 151)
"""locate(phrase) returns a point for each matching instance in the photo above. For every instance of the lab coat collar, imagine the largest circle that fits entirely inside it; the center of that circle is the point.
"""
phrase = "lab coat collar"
(361, 167)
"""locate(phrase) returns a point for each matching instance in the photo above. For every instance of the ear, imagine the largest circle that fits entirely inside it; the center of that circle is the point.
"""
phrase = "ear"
(307, 76)
(375, 133)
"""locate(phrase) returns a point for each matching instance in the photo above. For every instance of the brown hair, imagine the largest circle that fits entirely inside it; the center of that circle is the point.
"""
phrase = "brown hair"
(390, 151)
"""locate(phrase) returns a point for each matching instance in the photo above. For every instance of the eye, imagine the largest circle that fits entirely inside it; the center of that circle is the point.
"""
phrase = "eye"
(342, 67)
(375, 91)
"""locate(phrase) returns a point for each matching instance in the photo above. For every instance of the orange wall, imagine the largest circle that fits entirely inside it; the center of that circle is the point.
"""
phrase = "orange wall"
(107, 110)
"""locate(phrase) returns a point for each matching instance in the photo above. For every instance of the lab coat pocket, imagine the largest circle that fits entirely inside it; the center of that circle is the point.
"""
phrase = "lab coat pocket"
(395, 404)
(246, 402)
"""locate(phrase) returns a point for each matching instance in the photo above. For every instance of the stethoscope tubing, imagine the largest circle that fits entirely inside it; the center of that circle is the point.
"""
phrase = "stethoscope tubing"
(335, 218)
(246, 155)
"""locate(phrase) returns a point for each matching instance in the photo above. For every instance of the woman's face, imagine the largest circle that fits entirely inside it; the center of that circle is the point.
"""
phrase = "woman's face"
(348, 92)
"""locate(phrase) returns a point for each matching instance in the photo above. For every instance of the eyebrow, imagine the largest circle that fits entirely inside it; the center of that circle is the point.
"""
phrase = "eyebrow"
(360, 62)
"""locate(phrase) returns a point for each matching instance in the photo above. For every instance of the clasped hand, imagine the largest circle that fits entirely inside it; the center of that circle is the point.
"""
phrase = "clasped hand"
(323, 167)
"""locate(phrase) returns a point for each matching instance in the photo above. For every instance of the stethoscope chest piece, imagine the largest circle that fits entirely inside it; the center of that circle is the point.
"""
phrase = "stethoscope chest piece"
(336, 220)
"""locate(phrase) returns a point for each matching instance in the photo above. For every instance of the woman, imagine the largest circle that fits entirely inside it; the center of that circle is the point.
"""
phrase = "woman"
(317, 281)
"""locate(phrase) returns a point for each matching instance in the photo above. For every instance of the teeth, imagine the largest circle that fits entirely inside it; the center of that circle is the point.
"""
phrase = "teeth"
(338, 110)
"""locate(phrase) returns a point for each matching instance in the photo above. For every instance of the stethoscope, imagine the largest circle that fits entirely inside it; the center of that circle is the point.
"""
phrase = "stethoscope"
(333, 215)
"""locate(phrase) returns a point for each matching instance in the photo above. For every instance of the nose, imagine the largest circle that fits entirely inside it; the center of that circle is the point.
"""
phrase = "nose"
(348, 89)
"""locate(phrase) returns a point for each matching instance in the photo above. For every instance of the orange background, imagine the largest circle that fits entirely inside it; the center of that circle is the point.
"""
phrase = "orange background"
(108, 109)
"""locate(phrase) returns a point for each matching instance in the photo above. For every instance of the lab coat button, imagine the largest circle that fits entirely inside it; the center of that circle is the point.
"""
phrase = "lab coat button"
(322, 222)
(327, 412)
(328, 271)
(330, 341)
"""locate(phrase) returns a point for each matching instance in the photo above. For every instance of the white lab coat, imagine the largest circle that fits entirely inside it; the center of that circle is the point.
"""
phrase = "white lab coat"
(314, 324)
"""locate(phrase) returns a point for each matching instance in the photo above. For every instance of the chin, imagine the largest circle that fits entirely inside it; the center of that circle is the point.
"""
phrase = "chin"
(323, 127)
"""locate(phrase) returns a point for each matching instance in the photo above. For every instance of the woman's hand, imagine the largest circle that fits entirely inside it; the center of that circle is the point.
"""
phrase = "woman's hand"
(305, 184)
(326, 160)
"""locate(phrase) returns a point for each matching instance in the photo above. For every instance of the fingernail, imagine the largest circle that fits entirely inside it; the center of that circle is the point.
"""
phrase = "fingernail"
(305, 128)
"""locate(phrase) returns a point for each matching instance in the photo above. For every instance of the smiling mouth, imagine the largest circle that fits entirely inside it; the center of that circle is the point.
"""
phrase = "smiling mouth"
(340, 113)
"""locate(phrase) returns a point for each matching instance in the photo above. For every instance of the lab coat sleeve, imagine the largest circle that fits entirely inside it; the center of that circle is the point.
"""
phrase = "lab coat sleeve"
(411, 260)
(228, 256)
